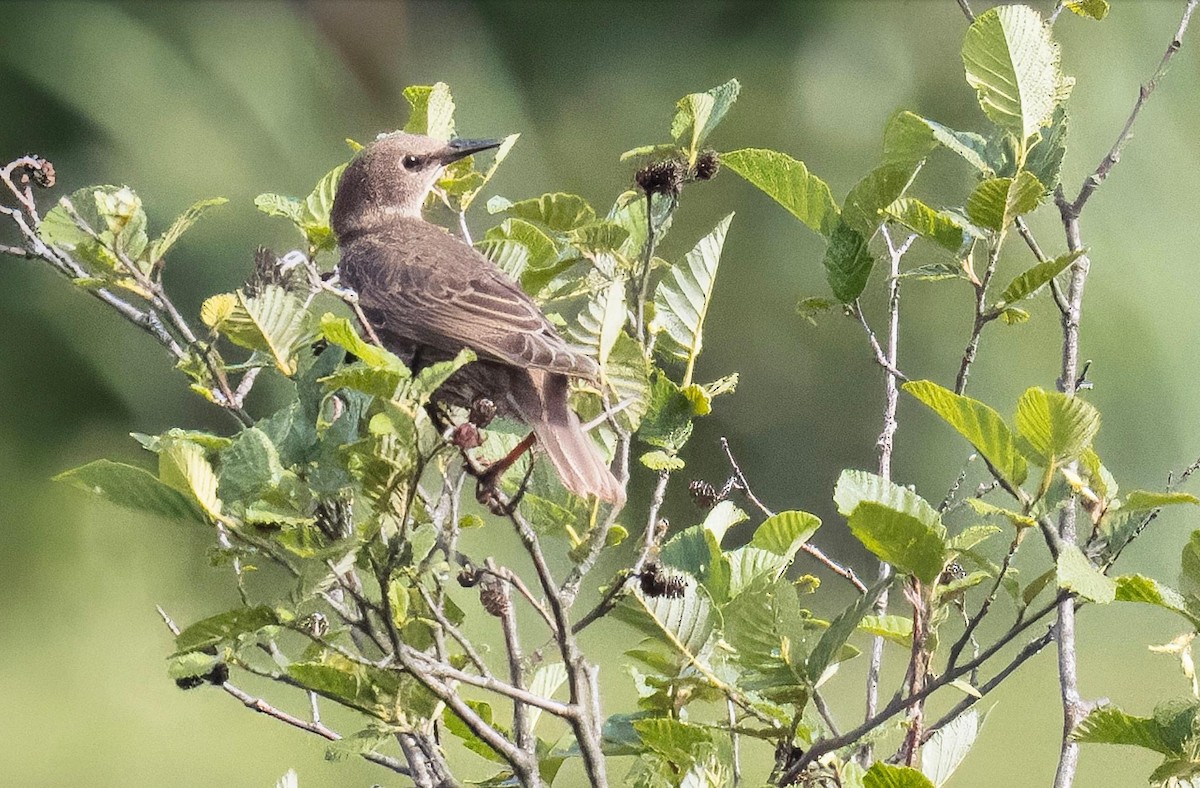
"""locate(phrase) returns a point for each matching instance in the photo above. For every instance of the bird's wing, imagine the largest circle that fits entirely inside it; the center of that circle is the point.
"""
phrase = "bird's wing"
(423, 284)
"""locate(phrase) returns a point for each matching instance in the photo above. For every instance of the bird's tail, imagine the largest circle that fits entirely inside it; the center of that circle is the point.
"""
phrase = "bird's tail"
(574, 455)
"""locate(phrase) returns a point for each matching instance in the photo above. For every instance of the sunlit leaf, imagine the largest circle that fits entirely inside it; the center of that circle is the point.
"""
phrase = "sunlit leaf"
(181, 225)
(432, 110)
(982, 426)
(997, 202)
(1013, 64)
(218, 629)
(1076, 573)
(697, 114)
(1037, 277)
(132, 488)
(789, 183)
(1055, 428)
(681, 300)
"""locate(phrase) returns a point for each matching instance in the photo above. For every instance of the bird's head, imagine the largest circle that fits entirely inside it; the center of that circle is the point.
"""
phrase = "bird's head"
(392, 176)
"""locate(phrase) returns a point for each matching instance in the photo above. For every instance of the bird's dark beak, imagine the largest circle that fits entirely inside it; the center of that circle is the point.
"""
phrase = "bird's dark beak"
(460, 149)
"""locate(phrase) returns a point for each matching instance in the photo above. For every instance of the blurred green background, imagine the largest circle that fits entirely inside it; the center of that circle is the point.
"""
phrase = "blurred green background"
(191, 100)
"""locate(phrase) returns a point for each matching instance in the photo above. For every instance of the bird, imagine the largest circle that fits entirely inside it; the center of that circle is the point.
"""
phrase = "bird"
(429, 295)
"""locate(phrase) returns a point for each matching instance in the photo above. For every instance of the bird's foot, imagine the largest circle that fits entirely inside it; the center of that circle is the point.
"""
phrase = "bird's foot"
(487, 489)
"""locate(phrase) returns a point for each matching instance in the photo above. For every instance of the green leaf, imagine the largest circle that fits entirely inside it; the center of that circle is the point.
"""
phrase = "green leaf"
(470, 740)
(509, 256)
(855, 487)
(1076, 573)
(897, 629)
(360, 743)
(946, 749)
(432, 110)
(787, 182)
(370, 690)
(783, 533)
(997, 202)
(686, 623)
(937, 226)
(314, 218)
(668, 420)
(677, 742)
(627, 376)
(215, 630)
(546, 681)
(901, 539)
(699, 114)
(1136, 588)
(847, 262)
(972, 536)
(1037, 277)
(556, 212)
(1189, 576)
(681, 299)
(1090, 9)
(601, 322)
(183, 466)
(980, 425)
(498, 157)
(132, 488)
(875, 192)
(693, 549)
(278, 205)
(882, 775)
(1142, 501)
(809, 308)
(909, 138)
(598, 237)
(541, 248)
(114, 213)
(1045, 157)
(1110, 725)
(1016, 519)
(180, 226)
(249, 467)
(832, 639)
(1013, 64)
(1055, 428)
(340, 332)
(274, 321)
(661, 461)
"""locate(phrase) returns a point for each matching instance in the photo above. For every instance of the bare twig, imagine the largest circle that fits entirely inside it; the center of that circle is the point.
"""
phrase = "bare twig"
(983, 316)
(314, 726)
(744, 485)
(900, 703)
(1114, 154)
(885, 445)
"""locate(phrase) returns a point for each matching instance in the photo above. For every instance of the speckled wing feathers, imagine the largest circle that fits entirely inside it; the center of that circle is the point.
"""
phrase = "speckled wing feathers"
(423, 284)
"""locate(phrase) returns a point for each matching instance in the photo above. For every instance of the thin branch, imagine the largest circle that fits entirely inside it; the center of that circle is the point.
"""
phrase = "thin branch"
(885, 445)
(744, 485)
(315, 726)
(966, 9)
(983, 316)
(1056, 292)
(1114, 155)
(587, 726)
(735, 745)
(650, 541)
(900, 703)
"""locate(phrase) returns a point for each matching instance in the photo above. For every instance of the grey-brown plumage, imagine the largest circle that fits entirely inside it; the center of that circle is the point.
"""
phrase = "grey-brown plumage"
(429, 295)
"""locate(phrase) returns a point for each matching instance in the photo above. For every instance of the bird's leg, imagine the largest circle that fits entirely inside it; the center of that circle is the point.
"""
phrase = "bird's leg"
(486, 491)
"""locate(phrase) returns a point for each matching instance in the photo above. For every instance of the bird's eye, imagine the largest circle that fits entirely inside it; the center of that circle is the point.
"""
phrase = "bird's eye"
(411, 162)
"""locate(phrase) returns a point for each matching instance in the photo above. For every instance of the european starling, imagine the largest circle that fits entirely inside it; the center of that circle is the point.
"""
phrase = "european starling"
(429, 295)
